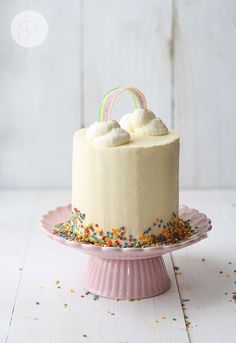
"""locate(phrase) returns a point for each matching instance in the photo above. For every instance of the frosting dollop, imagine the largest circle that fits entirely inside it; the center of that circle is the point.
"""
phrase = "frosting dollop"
(107, 134)
(144, 122)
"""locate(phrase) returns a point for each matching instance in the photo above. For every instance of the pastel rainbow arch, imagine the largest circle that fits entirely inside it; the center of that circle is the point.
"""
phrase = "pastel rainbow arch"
(111, 97)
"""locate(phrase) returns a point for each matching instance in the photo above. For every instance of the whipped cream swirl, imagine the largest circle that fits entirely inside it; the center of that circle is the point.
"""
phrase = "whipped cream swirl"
(144, 122)
(107, 134)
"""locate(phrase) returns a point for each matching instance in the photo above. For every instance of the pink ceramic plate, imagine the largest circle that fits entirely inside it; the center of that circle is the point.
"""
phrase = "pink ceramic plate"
(123, 273)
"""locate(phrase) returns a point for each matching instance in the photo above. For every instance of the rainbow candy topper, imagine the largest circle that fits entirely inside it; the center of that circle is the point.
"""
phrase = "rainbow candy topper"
(111, 97)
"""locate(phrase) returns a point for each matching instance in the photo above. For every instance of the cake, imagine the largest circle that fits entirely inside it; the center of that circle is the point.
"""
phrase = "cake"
(125, 179)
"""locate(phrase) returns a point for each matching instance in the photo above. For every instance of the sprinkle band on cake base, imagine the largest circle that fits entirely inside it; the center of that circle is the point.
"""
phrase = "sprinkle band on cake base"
(174, 231)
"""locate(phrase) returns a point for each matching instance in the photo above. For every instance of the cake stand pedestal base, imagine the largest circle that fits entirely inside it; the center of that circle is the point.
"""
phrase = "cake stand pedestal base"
(126, 279)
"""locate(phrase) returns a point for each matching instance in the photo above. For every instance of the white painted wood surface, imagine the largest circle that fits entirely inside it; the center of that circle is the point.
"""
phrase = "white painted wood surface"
(40, 97)
(199, 285)
(204, 91)
(207, 271)
(180, 53)
(127, 43)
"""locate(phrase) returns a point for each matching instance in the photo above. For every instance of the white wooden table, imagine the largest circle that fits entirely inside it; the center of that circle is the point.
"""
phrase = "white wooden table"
(42, 300)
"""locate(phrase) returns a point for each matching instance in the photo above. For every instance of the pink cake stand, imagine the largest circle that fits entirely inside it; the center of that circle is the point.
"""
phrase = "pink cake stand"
(127, 273)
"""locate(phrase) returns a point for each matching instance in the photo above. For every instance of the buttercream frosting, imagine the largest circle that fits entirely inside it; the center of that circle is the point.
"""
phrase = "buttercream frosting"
(144, 122)
(130, 185)
(107, 134)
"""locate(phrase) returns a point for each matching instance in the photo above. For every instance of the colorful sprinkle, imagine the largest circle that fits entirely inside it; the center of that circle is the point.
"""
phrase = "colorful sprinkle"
(187, 323)
(175, 231)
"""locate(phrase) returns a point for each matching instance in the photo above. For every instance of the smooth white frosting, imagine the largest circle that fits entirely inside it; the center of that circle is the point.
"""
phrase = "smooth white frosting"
(107, 134)
(129, 185)
(144, 122)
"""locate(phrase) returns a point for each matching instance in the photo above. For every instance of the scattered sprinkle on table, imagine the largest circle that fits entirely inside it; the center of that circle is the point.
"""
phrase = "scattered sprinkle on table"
(176, 268)
(72, 290)
(174, 319)
(57, 282)
(58, 287)
(65, 305)
(111, 313)
(185, 300)
(163, 317)
(96, 297)
(203, 260)
(84, 335)
(87, 293)
(37, 303)
(187, 323)
(220, 272)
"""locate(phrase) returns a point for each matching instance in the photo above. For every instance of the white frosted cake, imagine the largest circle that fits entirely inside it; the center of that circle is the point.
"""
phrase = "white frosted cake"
(125, 187)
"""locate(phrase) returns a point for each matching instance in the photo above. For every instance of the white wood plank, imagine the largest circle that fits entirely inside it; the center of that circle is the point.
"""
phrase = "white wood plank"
(18, 215)
(205, 291)
(13, 245)
(40, 97)
(49, 321)
(204, 91)
(127, 43)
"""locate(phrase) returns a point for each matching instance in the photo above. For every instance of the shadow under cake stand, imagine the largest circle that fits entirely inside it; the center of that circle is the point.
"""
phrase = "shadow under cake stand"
(127, 273)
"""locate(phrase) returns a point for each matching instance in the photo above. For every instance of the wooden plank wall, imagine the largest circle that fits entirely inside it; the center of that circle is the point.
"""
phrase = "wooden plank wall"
(204, 91)
(180, 53)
